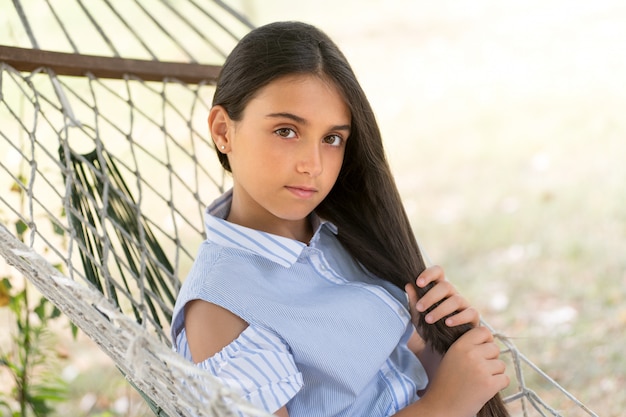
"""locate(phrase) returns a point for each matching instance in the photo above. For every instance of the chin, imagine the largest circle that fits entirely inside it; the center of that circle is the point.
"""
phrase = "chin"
(294, 216)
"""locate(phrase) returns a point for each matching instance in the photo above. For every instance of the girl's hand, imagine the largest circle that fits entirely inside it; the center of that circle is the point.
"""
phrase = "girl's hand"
(469, 374)
(443, 291)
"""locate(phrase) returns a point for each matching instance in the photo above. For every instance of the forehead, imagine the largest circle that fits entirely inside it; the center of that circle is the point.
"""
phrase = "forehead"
(306, 91)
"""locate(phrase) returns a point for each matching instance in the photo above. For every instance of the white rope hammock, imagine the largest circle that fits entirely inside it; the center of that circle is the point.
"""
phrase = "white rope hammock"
(105, 173)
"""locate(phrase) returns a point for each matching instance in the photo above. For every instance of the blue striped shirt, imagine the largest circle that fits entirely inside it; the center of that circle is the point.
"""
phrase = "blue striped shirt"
(325, 337)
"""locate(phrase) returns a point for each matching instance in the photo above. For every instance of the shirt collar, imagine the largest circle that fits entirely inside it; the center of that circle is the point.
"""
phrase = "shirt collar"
(279, 249)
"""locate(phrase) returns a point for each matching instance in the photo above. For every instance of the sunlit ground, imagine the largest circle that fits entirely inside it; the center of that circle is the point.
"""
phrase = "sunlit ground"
(504, 125)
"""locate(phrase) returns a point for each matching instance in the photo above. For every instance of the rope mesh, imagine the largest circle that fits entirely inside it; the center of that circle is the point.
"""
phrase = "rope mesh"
(96, 185)
(106, 181)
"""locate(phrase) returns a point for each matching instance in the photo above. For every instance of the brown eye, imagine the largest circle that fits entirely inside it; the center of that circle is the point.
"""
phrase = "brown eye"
(334, 140)
(285, 132)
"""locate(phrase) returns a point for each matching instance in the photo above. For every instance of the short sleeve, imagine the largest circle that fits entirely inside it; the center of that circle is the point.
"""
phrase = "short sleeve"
(258, 365)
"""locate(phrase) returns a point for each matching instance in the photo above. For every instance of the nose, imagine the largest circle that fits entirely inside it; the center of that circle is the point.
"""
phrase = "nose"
(310, 159)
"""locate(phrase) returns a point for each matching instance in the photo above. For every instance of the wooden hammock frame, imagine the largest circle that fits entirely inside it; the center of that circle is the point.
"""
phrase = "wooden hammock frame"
(23, 59)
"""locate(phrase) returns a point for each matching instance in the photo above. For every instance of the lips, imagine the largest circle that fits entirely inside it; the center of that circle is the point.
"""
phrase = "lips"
(302, 191)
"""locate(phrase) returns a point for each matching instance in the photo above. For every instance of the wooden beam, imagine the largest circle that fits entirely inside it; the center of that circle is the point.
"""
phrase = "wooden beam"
(23, 59)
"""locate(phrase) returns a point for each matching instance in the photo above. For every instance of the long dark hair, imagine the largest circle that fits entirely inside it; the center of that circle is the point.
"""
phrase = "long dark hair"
(364, 202)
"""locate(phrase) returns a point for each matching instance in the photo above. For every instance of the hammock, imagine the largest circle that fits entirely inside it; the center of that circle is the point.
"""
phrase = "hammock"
(105, 174)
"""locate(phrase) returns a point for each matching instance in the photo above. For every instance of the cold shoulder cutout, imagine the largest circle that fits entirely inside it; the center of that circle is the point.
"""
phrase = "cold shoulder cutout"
(257, 364)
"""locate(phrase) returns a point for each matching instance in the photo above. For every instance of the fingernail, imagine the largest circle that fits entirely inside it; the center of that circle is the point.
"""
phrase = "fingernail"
(449, 322)
(420, 282)
(419, 307)
(429, 319)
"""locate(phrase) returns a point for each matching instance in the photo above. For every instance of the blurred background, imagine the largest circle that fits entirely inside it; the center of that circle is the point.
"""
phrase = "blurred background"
(504, 125)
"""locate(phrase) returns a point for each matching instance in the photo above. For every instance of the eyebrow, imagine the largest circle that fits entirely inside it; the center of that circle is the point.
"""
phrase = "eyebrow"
(303, 121)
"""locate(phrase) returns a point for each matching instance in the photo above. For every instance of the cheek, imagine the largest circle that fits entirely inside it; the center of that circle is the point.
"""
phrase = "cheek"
(334, 166)
(338, 160)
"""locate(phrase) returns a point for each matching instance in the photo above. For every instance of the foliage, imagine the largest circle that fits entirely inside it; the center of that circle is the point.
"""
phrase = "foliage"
(28, 361)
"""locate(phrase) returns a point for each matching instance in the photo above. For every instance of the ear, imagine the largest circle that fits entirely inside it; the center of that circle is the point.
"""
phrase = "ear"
(220, 124)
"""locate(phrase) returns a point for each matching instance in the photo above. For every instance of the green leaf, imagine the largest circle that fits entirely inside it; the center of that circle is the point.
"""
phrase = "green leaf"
(40, 408)
(16, 302)
(5, 404)
(56, 227)
(48, 393)
(18, 186)
(14, 368)
(5, 293)
(55, 312)
(40, 310)
(7, 283)
(20, 228)
(74, 330)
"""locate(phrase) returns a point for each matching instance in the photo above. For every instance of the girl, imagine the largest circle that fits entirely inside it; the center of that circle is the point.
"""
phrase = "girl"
(295, 299)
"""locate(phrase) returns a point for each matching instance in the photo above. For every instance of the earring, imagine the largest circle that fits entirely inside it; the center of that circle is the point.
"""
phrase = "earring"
(222, 147)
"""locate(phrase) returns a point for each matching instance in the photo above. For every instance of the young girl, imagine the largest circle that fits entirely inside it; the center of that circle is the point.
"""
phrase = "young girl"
(296, 297)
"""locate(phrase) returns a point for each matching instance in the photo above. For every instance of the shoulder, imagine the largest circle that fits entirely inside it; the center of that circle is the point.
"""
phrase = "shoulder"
(220, 282)
(214, 268)
(210, 328)
(217, 260)
(200, 289)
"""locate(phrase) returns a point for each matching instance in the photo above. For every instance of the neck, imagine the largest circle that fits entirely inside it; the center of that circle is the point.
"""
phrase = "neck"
(300, 230)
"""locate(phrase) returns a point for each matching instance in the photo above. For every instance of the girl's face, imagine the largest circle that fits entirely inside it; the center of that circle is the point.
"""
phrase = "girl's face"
(285, 153)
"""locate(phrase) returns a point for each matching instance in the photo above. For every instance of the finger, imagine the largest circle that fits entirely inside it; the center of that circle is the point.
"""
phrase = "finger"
(497, 367)
(452, 307)
(439, 292)
(495, 370)
(478, 336)
(431, 274)
(495, 375)
(468, 315)
(501, 381)
(489, 351)
(446, 308)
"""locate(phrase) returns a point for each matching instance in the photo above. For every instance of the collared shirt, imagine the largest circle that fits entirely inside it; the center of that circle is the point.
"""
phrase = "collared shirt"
(325, 337)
